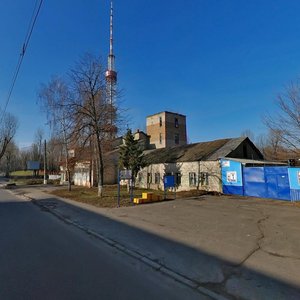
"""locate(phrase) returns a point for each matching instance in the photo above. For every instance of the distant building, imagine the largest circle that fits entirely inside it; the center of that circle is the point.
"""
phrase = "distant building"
(166, 129)
(142, 138)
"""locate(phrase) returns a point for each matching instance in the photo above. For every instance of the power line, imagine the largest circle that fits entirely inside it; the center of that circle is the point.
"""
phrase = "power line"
(34, 16)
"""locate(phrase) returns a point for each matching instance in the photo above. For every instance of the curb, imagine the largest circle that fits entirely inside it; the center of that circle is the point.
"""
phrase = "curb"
(148, 261)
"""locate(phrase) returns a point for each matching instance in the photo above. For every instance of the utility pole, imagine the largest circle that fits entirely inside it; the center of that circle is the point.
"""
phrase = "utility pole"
(45, 163)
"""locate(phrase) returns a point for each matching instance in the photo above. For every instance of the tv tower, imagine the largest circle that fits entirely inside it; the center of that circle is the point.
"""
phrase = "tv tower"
(111, 74)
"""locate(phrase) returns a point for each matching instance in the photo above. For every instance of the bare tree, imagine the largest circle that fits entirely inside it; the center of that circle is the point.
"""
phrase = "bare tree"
(38, 140)
(248, 133)
(54, 99)
(8, 128)
(94, 116)
(10, 159)
(55, 154)
(24, 156)
(285, 125)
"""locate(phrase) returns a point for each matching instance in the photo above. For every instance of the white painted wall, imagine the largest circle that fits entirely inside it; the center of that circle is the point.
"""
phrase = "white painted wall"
(212, 168)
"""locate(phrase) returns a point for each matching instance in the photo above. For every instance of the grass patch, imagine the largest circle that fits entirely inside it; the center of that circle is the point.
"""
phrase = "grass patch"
(110, 195)
(21, 173)
(32, 181)
(89, 195)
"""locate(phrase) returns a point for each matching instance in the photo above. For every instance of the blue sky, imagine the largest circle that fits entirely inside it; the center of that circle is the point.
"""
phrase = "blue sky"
(221, 63)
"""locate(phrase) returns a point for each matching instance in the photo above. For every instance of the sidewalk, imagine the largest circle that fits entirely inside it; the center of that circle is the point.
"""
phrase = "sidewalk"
(223, 246)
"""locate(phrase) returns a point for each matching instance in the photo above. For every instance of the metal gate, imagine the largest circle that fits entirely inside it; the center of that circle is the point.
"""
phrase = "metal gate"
(266, 182)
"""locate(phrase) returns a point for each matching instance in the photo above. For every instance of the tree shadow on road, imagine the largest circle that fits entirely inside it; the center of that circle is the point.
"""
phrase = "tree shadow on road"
(201, 268)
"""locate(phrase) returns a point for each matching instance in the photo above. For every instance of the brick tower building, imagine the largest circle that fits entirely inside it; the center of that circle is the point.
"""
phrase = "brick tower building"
(166, 129)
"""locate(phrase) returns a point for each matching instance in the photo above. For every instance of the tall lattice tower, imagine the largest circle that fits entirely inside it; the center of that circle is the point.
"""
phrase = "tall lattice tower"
(111, 74)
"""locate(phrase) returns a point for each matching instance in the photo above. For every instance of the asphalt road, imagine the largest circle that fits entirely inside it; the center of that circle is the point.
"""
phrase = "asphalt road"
(41, 257)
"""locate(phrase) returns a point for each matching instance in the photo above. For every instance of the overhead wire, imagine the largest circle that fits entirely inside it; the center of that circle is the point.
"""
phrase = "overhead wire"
(32, 23)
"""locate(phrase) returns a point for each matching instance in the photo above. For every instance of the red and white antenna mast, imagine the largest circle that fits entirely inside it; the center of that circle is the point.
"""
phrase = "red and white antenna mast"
(111, 74)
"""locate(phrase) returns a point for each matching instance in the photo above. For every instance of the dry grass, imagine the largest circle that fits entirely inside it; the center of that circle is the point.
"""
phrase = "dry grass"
(297, 204)
(110, 195)
(110, 199)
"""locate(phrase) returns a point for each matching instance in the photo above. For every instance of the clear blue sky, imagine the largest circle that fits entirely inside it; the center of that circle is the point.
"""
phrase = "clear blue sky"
(221, 63)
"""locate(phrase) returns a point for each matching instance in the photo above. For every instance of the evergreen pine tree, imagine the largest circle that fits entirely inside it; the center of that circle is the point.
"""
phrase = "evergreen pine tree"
(131, 156)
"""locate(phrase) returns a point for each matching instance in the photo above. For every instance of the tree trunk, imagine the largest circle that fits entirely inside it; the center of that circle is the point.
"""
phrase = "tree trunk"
(100, 167)
(100, 190)
(69, 180)
(67, 161)
(100, 179)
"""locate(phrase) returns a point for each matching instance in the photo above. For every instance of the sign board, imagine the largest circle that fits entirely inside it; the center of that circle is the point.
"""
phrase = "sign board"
(54, 177)
(231, 176)
(169, 181)
(33, 165)
(125, 174)
(231, 173)
(225, 163)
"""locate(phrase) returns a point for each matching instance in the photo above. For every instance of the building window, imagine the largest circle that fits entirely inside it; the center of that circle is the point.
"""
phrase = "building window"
(149, 178)
(176, 123)
(176, 138)
(203, 178)
(160, 121)
(178, 179)
(192, 179)
(160, 138)
(156, 178)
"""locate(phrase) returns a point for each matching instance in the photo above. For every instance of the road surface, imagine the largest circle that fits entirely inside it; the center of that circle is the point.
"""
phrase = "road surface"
(41, 257)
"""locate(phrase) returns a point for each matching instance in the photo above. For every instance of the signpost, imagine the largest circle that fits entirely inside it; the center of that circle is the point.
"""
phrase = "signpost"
(124, 175)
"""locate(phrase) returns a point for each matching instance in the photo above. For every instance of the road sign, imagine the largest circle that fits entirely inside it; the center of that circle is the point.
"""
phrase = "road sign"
(169, 181)
(125, 174)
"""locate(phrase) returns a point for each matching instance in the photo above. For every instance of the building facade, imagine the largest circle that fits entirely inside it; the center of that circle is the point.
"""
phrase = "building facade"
(166, 129)
(194, 166)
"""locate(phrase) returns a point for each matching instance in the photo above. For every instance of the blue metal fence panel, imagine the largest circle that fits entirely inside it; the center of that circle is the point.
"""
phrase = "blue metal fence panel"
(254, 182)
(277, 182)
(294, 178)
(295, 195)
(233, 190)
(278, 185)
(232, 179)
(267, 182)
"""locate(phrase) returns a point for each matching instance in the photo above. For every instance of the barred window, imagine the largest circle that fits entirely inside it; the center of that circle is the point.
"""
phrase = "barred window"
(156, 178)
(192, 179)
(149, 178)
(178, 179)
(203, 178)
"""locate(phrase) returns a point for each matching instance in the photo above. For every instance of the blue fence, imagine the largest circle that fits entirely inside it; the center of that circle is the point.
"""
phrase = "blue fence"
(267, 182)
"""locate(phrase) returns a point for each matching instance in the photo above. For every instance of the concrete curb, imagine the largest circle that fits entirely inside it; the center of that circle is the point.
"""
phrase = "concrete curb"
(148, 261)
